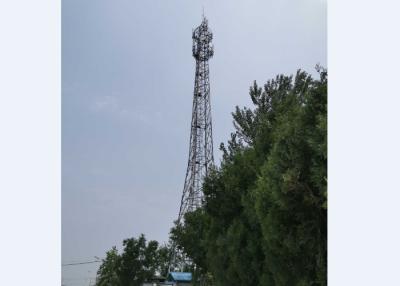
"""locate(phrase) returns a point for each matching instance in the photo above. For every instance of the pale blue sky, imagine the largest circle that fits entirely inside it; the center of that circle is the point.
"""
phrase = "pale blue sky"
(127, 82)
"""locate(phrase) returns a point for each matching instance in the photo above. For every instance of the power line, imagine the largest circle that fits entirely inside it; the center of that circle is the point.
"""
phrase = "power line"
(79, 278)
(82, 259)
(79, 263)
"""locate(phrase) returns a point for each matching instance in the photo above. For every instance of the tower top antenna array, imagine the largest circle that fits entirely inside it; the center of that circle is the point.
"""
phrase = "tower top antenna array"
(202, 37)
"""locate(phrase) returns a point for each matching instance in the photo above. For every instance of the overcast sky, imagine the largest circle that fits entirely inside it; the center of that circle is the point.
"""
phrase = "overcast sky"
(127, 82)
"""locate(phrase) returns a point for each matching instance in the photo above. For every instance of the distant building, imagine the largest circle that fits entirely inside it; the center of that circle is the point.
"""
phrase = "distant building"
(178, 279)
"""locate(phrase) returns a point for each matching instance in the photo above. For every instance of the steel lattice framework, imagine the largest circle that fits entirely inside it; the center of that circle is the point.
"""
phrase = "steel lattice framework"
(201, 143)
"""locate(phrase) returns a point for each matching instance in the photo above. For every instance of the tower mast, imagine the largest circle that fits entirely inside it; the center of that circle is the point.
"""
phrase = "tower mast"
(201, 143)
(201, 156)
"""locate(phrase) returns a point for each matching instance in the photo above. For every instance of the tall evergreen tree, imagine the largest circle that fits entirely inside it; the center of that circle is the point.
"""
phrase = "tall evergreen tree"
(264, 215)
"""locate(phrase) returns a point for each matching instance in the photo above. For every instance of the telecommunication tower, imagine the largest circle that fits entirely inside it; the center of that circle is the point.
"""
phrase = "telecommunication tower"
(201, 156)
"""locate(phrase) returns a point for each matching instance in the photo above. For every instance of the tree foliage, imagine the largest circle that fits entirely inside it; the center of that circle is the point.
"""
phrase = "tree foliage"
(107, 273)
(140, 261)
(265, 211)
(264, 218)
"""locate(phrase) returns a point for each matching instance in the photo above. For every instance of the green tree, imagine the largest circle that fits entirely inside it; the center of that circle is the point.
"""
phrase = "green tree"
(107, 273)
(163, 259)
(291, 189)
(140, 261)
(264, 215)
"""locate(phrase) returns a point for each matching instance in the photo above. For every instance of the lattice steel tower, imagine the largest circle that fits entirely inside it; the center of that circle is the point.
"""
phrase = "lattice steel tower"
(201, 143)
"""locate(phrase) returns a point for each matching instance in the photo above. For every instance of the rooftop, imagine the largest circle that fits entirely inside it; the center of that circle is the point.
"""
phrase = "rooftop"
(180, 276)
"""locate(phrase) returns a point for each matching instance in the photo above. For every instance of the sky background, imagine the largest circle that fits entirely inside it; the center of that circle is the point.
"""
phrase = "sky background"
(127, 83)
